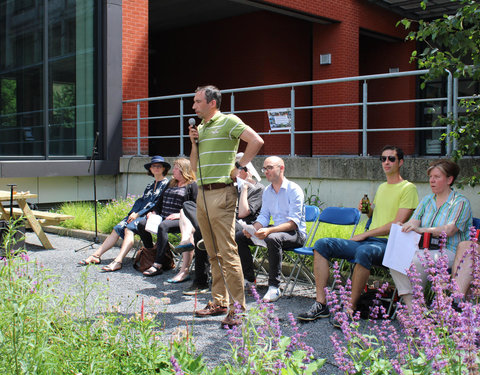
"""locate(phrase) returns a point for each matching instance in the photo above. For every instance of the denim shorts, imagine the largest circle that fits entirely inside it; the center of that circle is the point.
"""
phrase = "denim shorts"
(367, 253)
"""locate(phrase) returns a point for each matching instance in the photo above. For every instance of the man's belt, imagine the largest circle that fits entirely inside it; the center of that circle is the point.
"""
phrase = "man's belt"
(217, 185)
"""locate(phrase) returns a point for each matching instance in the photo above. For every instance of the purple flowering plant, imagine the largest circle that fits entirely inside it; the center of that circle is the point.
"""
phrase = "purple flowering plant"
(259, 347)
(432, 338)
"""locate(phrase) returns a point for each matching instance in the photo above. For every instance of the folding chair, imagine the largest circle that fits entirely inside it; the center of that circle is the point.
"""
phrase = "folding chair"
(312, 214)
(330, 215)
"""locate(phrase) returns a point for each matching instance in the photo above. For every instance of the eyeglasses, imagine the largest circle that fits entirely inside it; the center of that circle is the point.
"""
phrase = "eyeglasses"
(268, 168)
(392, 159)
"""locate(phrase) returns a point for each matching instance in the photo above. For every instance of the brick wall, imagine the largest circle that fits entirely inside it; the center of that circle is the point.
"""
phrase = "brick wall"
(135, 70)
(263, 48)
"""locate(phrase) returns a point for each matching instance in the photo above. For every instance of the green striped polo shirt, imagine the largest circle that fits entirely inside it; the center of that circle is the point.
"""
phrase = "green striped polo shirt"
(218, 142)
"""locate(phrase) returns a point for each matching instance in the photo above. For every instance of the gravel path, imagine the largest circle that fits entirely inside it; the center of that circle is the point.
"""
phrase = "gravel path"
(127, 288)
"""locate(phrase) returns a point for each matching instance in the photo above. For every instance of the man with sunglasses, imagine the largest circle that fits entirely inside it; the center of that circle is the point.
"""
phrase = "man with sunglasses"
(283, 201)
(394, 202)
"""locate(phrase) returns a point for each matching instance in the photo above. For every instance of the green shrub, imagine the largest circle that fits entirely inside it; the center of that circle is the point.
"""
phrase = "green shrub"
(108, 214)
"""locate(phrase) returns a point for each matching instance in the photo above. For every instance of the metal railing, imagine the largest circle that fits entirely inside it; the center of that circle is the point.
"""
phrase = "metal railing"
(450, 100)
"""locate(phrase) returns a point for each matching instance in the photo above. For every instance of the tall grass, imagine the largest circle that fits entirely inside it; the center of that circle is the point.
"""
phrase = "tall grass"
(108, 214)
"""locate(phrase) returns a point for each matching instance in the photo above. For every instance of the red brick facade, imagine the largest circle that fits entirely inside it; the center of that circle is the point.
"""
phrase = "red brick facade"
(263, 48)
(134, 70)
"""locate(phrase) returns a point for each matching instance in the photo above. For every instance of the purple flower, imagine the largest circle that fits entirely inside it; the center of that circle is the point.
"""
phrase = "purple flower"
(176, 366)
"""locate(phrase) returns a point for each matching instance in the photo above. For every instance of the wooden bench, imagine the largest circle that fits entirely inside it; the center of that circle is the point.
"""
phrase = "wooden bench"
(43, 217)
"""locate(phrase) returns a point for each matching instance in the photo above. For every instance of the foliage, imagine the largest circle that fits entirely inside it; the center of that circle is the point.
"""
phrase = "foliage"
(312, 198)
(8, 101)
(259, 347)
(42, 333)
(431, 340)
(452, 43)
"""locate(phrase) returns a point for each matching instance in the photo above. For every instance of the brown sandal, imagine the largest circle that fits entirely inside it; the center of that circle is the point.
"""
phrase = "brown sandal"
(95, 260)
(112, 267)
(153, 271)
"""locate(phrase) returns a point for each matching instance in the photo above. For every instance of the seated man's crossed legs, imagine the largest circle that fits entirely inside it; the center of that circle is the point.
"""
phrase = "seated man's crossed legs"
(364, 254)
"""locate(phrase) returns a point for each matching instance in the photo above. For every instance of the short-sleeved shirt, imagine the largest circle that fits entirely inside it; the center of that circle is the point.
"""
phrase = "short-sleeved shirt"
(389, 198)
(218, 145)
(456, 210)
(286, 205)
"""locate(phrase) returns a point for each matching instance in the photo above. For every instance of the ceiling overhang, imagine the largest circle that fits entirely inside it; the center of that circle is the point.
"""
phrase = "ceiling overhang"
(412, 9)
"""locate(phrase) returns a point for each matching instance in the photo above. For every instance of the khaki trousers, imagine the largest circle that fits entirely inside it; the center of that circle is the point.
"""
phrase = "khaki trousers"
(220, 205)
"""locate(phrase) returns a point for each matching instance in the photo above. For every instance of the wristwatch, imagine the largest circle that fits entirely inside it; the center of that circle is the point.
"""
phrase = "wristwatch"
(238, 166)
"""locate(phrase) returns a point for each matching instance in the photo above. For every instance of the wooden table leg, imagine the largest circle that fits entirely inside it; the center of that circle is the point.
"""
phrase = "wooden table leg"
(3, 214)
(37, 228)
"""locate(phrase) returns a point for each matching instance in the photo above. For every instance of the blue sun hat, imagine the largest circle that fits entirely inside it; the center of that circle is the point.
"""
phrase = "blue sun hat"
(158, 159)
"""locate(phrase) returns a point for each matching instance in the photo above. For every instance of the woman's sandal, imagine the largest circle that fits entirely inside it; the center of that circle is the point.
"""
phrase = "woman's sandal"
(112, 267)
(153, 271)
(95, 260)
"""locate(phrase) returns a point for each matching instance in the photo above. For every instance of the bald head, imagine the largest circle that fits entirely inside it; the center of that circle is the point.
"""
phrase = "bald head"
(274, 168)
(274, 160)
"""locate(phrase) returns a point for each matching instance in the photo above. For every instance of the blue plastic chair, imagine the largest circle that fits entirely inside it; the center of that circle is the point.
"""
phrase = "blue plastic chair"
(330, 215)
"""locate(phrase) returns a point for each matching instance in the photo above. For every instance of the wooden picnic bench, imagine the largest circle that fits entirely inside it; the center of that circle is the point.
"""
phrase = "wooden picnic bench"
(34, 218)
(44, 217)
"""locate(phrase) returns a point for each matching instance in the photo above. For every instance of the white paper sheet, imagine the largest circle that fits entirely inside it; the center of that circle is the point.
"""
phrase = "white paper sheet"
(153, 222)
(400, 249)
(251, 230)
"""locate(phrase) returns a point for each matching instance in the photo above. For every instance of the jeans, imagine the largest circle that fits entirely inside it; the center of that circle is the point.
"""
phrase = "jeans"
(367, 253)
(165, 227)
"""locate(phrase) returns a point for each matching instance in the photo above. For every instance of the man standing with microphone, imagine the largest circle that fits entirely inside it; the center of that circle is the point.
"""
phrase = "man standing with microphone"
(214, 146)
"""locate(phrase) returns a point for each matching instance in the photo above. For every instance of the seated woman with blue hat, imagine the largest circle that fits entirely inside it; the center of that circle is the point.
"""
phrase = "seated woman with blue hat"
(128, 227)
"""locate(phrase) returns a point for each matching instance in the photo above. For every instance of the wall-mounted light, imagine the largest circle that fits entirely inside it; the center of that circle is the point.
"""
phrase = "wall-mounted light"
(326, 59)
(393, 70)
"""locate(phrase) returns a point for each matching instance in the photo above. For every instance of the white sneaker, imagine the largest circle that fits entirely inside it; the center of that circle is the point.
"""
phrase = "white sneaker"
(272, 295)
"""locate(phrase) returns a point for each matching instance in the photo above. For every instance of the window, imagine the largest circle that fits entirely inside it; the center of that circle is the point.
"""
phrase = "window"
(47, 78)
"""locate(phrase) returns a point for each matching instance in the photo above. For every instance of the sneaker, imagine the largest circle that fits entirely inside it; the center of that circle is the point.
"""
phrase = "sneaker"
(196, 289)
(231, 320)
(318, 310)
(211, 309)
(272, 295)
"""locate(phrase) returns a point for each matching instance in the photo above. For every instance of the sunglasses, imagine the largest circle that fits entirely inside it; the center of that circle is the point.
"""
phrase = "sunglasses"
(392, 159)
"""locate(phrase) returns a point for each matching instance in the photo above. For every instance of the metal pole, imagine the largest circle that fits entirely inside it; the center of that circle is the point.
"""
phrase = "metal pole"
(455, 110)
(449, 112)
(138, 129)
(232, 103)
(182, 151)
(364, 118)
(292, 129)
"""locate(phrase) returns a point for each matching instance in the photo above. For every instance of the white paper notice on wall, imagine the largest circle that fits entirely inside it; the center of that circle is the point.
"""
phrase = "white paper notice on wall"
(153, 222)
(401, 248)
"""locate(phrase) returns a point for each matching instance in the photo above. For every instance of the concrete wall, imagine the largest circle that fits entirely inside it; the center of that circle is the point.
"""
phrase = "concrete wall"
(337, 181)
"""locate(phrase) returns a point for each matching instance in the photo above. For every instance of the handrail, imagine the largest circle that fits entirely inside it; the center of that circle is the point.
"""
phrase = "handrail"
(450, 99)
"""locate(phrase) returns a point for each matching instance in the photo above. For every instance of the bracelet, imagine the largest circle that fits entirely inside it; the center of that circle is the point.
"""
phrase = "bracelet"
(238, 166)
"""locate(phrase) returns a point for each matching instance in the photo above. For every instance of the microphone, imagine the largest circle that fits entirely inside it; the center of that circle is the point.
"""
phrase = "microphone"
(191, 122)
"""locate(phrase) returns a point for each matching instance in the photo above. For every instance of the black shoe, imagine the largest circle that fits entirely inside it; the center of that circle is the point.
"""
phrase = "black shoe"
(318, 310)
(196, 289)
